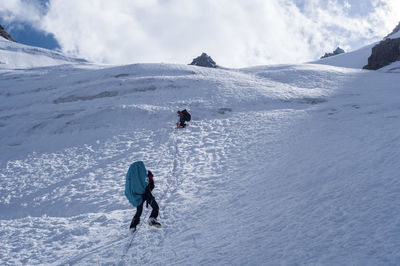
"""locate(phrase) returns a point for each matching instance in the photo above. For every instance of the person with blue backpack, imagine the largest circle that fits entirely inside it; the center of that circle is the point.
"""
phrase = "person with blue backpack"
(138, 187)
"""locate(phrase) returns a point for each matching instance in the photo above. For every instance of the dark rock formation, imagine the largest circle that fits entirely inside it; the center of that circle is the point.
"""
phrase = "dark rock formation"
(5, 35)
(336, 52)
(204, 61)
(383, 54)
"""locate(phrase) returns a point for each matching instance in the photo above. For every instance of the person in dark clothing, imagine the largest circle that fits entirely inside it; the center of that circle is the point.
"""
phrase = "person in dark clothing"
(149, 199)
(181, 123)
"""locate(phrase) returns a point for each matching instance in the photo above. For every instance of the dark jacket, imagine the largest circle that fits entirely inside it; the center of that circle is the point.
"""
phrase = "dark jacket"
(181, 119)
(151, 183)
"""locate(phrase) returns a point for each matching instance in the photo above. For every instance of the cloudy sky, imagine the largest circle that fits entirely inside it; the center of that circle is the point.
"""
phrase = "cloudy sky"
(235, 33)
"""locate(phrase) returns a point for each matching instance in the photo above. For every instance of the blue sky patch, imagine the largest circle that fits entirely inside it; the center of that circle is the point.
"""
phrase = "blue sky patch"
(26, 34)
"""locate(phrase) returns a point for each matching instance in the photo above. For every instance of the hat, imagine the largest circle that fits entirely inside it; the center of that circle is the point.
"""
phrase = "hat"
(149, 173)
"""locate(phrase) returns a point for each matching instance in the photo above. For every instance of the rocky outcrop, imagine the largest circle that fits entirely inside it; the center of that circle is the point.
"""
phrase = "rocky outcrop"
(383, 54)
(5, 35)
(336, 52)
(204, 61)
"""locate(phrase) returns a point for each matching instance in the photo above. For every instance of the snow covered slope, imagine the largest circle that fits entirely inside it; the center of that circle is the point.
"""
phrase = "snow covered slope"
(15, 55)
(394, 35)
(354, 59)
(284, 164)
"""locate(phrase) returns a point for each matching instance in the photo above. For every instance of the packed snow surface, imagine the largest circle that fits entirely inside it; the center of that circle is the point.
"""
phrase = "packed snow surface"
(285, 164)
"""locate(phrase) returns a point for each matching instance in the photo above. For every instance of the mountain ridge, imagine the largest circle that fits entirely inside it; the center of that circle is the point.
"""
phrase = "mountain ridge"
(375, 56)
(5, 35)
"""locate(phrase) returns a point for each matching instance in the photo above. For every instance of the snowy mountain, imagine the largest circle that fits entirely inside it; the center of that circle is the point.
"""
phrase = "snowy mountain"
(354, 59)
(5, 35)
(15, 55)
(383, 56)
(281, 164)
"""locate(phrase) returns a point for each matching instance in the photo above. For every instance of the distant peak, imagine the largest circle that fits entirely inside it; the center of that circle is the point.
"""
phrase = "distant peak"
(5, 35)
(204, 60)
(336, 52)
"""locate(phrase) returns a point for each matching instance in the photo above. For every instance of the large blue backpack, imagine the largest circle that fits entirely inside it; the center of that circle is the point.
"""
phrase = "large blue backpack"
(136, 183)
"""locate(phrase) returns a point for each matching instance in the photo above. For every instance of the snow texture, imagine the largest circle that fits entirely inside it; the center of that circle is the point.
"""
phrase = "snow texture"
(280, 165)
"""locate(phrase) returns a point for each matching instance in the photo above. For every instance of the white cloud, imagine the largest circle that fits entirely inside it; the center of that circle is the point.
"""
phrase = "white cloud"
(234, 32)
(23, 11)
(346, 4)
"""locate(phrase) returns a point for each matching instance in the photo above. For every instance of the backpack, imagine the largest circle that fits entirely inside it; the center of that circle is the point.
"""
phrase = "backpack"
(186, 115)
(136, 183)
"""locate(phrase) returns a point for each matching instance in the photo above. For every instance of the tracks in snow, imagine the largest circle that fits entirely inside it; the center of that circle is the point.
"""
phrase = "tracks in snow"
(91, 209)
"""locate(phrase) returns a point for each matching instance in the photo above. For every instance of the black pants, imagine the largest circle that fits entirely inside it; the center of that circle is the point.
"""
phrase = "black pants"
(182, 122)
(149, 199)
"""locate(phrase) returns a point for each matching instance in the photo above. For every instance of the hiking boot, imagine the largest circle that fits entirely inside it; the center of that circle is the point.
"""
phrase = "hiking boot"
(153, 222)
